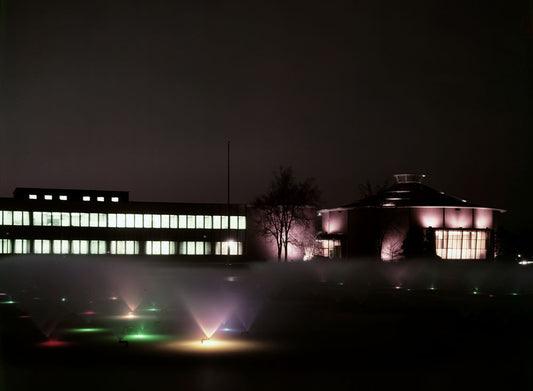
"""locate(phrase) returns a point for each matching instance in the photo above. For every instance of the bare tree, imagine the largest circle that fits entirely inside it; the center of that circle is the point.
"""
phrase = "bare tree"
(284, 207)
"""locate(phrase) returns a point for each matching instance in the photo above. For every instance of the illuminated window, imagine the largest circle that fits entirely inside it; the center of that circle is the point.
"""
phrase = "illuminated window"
(224, 222)
(173, 221)
(124, 247)
(121, 220)
(65, 219)
(112, 220)
(191, 220)
(86, 198)
(216, 222)
(75, 219)
(234, 248)
(22, 246)
(160, 248)
(5, 246)
(48, 197)
(60, 247)
(97, 247)
(100, 199)
(156, 221)
(84, 219)
(461, 244)
(47, 219)
(8, 217)
(242, 222)
(63, 197)
(102, 220)
(130, 220)
(41, 246)
(233, 222)
(17, 217)
(165, 221)
(199, 221)
(147, 221)
(37, 218)
(56, 219)
(114, 199)
(32, 196)
(208, 222)
(93, 219)
(182, 221)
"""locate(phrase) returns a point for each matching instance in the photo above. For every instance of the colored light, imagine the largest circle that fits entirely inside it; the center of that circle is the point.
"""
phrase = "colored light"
(7, 302)
(63, 299)
(87, 330)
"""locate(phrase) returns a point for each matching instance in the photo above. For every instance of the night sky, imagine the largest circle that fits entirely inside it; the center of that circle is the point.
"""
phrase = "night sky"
(144, 95)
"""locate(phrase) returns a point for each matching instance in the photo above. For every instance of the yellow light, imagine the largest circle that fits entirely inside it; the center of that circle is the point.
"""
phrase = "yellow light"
(210, 346)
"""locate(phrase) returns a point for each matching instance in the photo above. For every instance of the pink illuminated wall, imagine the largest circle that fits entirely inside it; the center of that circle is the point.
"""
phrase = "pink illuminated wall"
(458, 217)
(334, 221)
(483, 218)
(428, 217)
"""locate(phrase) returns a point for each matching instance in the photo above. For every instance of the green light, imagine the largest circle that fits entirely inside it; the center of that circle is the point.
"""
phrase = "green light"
(431, 288)
(474, 292)
(145, 337)
(7, 302)
(87, 330)
(152, 309)
(63, 299)
(340, 283)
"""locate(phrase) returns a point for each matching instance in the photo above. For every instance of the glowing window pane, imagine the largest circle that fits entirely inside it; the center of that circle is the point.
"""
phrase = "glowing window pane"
(47, 247)
(191, 222)
(121, 220)
(100, 199)
(65, 219)
(148, 247)
(242, 222)
(101, 247)
(60, 246)
(56, 219)
(37, 218)
(224, 224)
(22, 246)
(112, 220)
(199, 221)
(165, 221)
(165, 248)
(208, 222)
(38, 246)
(48, 197)
(93, 247)
(130, 220)
(156, 248)
(47, 218)
(5, 246)
(84, 247)
(75, 246)
(114, 199)
(63, 197)
(207, 248)
(138, 221)
(17, 217)
(93, 219)
(182, 221)
(32, 196)
(84, 219)
(199, 248)
(156, 221)
(234, 222)
(132, 247)
(173, 221)
(147, 221)
(216, 222)
(75, 219)
(8, 217)
(86, 198)
(102, 220)
(191, 246)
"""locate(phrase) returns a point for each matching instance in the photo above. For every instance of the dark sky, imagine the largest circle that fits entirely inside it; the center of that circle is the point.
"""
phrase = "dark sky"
(144, 95)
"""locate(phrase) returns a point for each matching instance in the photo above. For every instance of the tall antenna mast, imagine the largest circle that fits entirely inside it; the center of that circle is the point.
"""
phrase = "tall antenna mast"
(228, 236)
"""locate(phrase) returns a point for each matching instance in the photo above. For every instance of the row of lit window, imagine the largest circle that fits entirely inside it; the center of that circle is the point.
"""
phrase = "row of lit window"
(120, 220)
(461, 244)
(50, 197)
(118, 247)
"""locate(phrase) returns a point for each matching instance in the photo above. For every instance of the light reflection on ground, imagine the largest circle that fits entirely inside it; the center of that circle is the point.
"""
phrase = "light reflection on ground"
(217, 346)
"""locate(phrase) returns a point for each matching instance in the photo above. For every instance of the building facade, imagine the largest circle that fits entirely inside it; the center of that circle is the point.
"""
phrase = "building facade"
(86, 222)
(408, 220)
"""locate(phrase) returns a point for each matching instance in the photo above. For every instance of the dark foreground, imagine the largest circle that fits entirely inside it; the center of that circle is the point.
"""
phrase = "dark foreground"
(314, 335)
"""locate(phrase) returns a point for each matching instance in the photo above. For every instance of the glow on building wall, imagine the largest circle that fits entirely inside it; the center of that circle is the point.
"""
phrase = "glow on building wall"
(461, 244)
